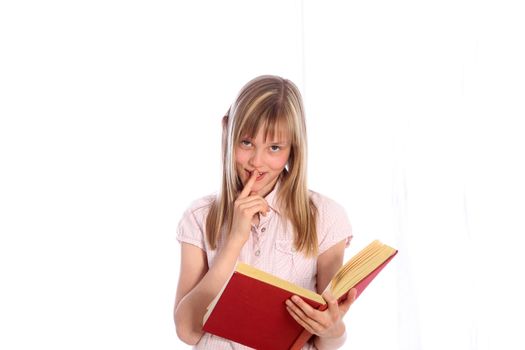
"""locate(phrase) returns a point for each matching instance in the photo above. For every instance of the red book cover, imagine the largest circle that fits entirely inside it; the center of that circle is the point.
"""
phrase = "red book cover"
(253, 313)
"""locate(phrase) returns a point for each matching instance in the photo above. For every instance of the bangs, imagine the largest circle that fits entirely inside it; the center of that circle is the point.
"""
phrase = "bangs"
(274, 119)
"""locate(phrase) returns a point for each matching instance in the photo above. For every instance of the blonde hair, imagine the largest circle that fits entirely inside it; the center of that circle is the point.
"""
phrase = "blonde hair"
(267, 102)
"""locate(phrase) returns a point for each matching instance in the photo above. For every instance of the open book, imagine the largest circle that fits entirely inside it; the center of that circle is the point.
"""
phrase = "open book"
(251, 310)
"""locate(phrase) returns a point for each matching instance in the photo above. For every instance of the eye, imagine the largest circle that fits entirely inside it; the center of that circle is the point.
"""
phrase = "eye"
(246, 143)
(275, 148)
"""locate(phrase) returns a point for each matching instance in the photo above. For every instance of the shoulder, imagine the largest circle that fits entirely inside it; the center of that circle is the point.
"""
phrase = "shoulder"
(201, 205)
(198, 210)
(333, 224)
(325, 204)
(192, 225)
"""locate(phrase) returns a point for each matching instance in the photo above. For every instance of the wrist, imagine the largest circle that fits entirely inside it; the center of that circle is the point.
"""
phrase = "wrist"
(238, 236)
(340, 330)
(226, 259)
(234, 243)
(323, 343)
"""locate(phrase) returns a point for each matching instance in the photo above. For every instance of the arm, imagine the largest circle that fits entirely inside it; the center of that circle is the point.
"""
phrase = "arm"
(328, 325)
(197, 287)
(200, 283)
(328, 263)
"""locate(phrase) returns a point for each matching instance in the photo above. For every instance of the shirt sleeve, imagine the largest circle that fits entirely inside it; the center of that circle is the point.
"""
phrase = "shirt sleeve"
(333, 225)
(191, 227)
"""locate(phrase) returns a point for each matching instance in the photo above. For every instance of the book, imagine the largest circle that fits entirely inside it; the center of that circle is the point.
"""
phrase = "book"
(250, 309)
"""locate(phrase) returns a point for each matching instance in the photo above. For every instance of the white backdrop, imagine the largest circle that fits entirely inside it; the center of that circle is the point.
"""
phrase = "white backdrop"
(110, 126)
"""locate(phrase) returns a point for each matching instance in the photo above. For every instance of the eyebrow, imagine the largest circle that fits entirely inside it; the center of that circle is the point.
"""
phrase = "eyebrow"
(273, 142)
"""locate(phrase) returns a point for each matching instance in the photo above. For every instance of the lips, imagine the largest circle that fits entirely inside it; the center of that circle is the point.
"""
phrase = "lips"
(259, 177)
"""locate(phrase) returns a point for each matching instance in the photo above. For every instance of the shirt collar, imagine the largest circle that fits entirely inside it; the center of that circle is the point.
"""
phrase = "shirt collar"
(271, 198)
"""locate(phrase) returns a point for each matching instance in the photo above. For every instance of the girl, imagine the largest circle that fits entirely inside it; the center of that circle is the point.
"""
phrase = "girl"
(264, 216)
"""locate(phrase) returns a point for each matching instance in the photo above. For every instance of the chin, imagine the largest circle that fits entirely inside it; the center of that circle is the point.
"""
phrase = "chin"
(257, 189)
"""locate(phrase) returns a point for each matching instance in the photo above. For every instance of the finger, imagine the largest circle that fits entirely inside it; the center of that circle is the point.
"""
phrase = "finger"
(299, 320)
(300, 316)
(251, 201)
(251, 198)
(331, 301)
(303, 308)
(344, 306)
(250, 209)
(248, 187)
(248, 201)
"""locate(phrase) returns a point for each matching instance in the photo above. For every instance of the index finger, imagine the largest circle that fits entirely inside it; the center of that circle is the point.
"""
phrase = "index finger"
(304, 307)
(248, 187)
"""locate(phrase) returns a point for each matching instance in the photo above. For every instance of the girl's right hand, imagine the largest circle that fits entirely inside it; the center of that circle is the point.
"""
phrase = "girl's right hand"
(246, 206)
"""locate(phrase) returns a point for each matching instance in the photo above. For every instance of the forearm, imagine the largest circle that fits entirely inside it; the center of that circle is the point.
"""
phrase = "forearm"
(190, 310)
(329, 343)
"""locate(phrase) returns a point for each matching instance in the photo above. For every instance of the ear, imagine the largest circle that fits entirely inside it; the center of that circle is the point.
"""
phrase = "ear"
(225, 119)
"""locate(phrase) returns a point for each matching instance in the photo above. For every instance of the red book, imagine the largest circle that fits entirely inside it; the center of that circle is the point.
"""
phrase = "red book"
(251, 309)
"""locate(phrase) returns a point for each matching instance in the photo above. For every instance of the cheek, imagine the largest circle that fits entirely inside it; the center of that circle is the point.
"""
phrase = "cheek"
(279, 162)
(241, 157)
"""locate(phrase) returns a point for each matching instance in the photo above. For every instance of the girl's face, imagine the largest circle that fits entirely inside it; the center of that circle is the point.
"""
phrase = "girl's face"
(267, 157)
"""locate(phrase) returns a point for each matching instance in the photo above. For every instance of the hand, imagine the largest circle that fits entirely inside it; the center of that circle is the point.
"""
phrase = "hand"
(327, 323)
(246, 206)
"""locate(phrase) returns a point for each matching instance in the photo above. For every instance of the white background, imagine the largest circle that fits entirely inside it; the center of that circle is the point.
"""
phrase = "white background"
(110, 126)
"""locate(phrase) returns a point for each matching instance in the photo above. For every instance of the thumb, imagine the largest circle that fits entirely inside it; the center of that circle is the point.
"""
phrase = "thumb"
(331, 301)
(345, 305)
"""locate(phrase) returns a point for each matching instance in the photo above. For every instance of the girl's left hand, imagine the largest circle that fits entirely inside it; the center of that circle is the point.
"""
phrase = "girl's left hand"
(327, 323)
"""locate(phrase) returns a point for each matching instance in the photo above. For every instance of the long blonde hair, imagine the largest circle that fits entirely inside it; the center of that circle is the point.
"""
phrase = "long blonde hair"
(266, 102)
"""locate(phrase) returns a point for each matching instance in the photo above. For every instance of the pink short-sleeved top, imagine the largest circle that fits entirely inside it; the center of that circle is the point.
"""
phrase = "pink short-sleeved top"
(270, 246)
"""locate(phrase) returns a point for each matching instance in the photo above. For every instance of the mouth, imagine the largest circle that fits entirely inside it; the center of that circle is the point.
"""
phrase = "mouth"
(259, 175)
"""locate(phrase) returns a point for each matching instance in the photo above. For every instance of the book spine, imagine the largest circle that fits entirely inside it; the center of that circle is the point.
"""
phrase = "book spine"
(301, 340)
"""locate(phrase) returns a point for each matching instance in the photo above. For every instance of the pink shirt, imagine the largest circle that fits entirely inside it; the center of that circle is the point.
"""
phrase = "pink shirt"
(269, 247)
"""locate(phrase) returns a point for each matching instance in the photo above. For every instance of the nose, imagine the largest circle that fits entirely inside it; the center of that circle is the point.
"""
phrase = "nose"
(256, 159)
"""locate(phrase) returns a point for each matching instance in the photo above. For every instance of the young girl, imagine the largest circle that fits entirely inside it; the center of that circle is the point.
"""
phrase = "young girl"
(265, 216)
